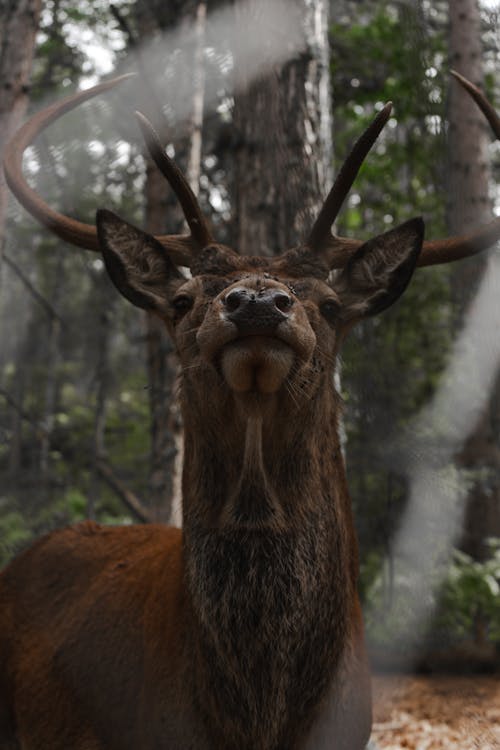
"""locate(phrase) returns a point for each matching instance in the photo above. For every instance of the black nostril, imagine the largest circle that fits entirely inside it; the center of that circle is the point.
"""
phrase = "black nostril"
(234, 299)
(257, 312)
(282, 300)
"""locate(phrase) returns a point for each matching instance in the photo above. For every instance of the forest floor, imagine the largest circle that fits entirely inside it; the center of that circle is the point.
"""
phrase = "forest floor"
(431, 713)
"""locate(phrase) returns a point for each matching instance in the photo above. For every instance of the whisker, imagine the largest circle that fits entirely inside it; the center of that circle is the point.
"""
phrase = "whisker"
(190, 330)
(291, 393)
(326, 355)
(191, 367)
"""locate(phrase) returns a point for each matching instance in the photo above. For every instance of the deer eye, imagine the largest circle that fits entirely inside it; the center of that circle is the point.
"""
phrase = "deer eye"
(182, 304)
(329, 309)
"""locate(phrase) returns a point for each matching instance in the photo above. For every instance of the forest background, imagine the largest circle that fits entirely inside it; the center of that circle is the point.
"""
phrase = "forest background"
(89, 426)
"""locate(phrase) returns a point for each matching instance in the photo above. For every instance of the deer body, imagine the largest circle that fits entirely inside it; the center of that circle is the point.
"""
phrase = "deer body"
(243, 656)
(244, 630)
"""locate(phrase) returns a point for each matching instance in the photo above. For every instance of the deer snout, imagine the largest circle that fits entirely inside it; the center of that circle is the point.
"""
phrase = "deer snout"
(257, 312)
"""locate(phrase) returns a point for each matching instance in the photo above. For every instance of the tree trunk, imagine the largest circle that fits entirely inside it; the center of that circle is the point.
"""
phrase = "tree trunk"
(162, 368)
(166, 433)
(470, 205)
(283, 136)
(51, 373)
(18, 26)
(468, 171)
(102, 380)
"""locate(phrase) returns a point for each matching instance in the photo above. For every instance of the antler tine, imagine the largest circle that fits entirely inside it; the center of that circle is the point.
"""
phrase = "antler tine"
(196, 221)
(320, 232)
(179, 247)
(71, 230)
(464, 246)
(339, 249)
(481, 101)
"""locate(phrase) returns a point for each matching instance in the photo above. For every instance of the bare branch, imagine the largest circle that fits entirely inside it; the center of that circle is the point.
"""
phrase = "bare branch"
(38, 427)
(45, 304)
(128, 497)
(124, 25)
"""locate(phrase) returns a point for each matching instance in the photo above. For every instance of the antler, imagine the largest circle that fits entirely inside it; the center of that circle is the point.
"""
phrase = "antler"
(196, 221)
(181, 248)
(455, 248)
(320, 233)
(337, 250)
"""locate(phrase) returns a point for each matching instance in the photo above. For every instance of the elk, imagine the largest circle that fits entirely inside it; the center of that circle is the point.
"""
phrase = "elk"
(243, 630)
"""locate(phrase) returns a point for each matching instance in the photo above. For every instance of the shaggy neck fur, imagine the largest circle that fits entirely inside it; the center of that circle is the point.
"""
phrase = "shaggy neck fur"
(270, 568)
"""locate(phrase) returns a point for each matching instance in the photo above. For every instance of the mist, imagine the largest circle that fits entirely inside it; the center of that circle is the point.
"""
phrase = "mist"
(260, 35)
(263, 34)
(425, 453)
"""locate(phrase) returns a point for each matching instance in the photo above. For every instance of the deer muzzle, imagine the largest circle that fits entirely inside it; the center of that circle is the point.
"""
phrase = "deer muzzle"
(254, 332)
(257, 312)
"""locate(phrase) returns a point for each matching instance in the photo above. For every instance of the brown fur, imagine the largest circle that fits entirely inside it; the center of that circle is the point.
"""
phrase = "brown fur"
(243, 630)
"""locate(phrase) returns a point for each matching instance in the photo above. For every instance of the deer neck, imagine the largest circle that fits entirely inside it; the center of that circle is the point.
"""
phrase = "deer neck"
(261, 466)
(269, 567)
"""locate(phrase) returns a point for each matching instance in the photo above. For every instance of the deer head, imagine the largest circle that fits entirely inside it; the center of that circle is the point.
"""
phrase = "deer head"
(254, 323)
(255, 336)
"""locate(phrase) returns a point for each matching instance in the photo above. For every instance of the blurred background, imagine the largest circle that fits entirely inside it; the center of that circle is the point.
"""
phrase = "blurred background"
(259, 104)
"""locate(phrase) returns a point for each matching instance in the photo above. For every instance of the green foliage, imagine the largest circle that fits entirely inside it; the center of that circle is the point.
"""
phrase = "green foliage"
(461, 602)
(68, 37)
(402, 62)
(393, 608)
(469, 603)
(391, 364)
(55, 386)
(76, 503)
(14, 533)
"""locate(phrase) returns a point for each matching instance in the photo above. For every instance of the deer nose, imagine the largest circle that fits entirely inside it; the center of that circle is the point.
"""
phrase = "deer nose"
(257, 311)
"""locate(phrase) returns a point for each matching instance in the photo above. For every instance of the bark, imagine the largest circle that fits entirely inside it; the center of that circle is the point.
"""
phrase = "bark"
(468, 171)
(161, 371)
(51, 368)
(18, 26)
(37, 427)
(23, 355)
(16, 440)
(166, 437)
(129, 499)
(469, 205)
(196, 123)
(102, 380)
(162, 368)
(193, 172)
(42, 301)
(283, 145)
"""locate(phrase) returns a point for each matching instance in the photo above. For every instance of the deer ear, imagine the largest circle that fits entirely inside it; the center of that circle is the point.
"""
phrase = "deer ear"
(379, 272)
(137, 264)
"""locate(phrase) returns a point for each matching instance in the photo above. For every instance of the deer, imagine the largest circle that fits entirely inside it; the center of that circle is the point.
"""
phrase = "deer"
(244, 628)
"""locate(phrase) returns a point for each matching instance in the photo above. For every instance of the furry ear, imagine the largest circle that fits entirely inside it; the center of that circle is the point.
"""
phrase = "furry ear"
(379, 272)
(137, 264)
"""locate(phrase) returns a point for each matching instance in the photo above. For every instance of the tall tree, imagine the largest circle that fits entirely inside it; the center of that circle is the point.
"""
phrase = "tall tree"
(18, 25)
(470, 205)
(283, 149)
(147, 20)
